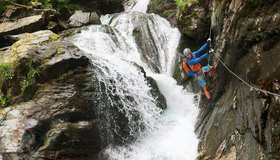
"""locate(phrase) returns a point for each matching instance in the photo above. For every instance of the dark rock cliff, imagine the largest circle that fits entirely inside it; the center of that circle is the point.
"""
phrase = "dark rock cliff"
(243, 123)
(164, 8)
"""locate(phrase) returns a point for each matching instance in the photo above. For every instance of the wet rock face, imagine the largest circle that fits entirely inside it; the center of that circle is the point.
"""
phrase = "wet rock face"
(161, 102)
(140, 32)
(149, 46)
(56, 123)
(160, 99)
(80, 18)
(165, 8)
(239, 122)
(193, 21)
(56, 107)
(49, 101)
(37, 57)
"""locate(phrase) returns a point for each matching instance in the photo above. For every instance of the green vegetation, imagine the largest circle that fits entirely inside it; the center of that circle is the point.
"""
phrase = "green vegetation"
(6, 74)
(59, 5)
(4, 4)
(181, 4)
(166, 13)
(68, 33)
(66, 7)
(60, 50)
(1, 112)
(31, 74)
(5, 70)
(3, 100)
(53, 37)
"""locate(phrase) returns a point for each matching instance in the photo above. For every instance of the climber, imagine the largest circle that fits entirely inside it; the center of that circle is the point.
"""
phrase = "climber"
(192, 67)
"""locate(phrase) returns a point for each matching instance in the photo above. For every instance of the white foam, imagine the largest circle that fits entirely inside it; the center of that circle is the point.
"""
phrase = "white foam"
(169, 136)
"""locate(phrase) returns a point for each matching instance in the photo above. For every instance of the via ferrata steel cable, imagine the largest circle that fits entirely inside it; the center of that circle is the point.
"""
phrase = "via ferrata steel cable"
(242, 80)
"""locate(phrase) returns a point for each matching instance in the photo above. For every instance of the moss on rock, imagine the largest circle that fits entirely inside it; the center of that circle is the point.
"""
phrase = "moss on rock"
(164, 8)
(26, 61)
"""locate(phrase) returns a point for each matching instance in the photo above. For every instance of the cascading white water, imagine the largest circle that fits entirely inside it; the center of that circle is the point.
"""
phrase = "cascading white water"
(113, 50)
(174, 139)
(140, 6)
(109, 53)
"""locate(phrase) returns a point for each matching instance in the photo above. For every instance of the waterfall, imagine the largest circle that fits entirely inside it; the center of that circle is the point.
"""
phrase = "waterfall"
(130, 38)
(140, 6)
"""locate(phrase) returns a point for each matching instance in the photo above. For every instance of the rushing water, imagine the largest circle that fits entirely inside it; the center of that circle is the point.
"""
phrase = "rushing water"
(114, 51)
(140, 6)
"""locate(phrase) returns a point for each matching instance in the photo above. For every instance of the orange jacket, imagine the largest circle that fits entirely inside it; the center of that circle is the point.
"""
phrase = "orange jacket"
(194, 70)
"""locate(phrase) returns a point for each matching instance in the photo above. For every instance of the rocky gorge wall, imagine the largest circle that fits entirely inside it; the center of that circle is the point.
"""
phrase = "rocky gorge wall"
(52, 105)
(243, 123)
(47, 104)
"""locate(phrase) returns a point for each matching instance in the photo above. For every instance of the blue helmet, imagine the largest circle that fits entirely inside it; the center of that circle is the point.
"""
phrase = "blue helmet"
(187, 51)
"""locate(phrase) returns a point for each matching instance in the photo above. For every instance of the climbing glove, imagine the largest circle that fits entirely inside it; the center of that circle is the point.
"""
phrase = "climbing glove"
(211, 51)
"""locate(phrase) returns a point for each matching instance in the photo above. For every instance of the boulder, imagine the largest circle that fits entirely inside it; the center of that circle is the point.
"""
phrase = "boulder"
(32, 54)
(48, 93)
(14, 13)
(80, 18)
(58, 123)
(32, 22)
(15, 38)
(161, 101)
(27, 24)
